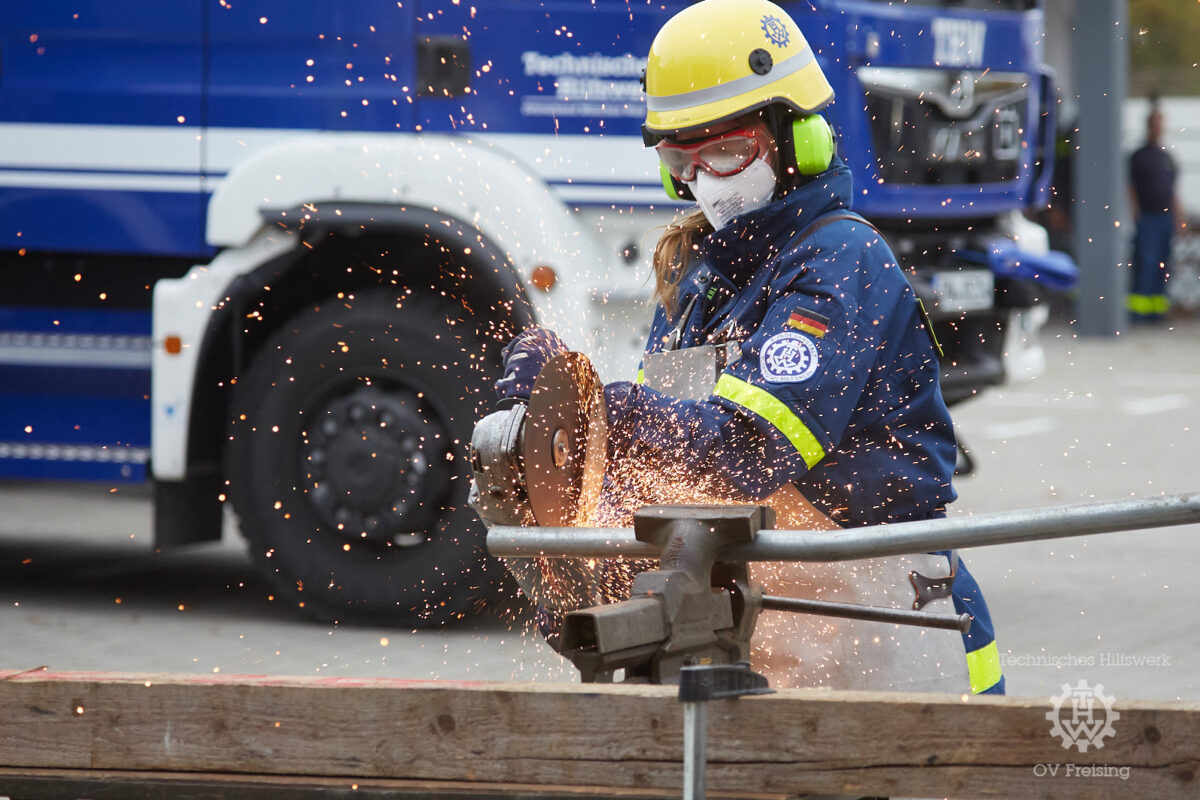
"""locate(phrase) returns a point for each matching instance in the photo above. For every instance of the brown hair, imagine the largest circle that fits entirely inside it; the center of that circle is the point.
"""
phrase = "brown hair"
(674, 251)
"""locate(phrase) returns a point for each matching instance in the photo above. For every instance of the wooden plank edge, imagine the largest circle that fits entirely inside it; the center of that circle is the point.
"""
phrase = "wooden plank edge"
(142, 785)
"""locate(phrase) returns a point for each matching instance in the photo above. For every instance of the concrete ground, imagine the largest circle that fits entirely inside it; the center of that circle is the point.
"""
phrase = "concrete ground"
(81, 589)
(1109, 419)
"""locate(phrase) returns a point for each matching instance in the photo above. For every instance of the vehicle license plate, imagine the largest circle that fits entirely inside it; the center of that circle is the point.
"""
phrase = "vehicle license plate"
(965, 290)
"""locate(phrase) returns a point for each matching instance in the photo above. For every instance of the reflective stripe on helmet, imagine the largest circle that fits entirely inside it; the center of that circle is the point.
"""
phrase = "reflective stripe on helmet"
(766, 405)
(726, 91)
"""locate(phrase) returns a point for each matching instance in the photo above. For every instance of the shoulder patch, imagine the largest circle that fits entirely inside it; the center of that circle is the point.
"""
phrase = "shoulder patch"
(789, 357)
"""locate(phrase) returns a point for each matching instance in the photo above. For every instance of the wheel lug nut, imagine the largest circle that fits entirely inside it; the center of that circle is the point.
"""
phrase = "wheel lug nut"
(330, 426)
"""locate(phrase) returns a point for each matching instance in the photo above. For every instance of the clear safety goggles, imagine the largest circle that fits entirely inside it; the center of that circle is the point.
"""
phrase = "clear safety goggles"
(723, 155)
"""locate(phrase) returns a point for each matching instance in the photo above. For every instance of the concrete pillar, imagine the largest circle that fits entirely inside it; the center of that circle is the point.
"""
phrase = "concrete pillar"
(1101, 67)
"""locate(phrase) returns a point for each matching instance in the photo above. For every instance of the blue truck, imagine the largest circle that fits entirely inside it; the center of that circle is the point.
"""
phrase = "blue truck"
(263, 253)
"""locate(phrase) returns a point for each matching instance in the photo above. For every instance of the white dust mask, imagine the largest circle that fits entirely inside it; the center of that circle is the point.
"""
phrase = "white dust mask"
(722, 199)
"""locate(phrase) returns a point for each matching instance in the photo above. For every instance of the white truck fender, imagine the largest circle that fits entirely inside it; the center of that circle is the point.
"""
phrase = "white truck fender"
(475, 182)
(182, 309)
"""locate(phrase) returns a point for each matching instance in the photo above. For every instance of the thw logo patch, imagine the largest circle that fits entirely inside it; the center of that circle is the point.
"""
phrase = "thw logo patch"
(789, 357)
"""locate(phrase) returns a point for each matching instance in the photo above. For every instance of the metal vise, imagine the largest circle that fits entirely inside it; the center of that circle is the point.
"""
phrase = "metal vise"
(693, 610)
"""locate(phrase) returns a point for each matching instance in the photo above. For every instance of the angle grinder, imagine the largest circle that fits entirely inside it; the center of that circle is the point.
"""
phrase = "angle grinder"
(543, 462)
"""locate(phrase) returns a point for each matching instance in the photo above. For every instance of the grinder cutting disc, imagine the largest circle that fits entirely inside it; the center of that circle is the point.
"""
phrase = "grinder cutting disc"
(565, 436)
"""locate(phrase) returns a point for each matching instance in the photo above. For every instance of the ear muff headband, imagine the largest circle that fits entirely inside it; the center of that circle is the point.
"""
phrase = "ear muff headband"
(812, 138)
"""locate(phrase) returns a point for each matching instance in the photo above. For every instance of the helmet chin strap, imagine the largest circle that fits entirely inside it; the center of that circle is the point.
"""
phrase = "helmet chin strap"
(779, 123)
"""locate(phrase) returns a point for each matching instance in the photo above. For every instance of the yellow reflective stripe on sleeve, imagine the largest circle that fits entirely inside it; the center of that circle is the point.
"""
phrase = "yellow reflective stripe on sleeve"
(773, 410)
(983, 665)
(641, 376)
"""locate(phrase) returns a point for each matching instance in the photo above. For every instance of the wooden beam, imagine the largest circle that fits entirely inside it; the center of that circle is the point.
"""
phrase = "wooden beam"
(618, 737)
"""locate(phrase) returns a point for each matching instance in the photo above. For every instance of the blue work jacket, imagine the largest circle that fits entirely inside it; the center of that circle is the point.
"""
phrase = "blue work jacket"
(836, 388)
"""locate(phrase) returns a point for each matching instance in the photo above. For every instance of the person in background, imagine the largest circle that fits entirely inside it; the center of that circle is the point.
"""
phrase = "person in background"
(1157, 212)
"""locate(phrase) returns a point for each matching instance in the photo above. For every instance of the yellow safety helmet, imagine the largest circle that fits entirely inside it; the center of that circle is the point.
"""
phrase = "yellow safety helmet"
(719, 59)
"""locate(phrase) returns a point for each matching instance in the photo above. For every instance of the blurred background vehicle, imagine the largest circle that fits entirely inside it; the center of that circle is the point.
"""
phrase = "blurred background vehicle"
(267, 251)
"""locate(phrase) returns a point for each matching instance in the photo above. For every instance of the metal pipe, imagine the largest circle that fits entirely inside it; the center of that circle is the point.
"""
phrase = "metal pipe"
(899, 616)
(537, 542)
(978, 530)
(695, 749)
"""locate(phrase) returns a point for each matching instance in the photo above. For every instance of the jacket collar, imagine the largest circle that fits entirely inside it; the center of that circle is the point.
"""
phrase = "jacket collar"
(735, 252)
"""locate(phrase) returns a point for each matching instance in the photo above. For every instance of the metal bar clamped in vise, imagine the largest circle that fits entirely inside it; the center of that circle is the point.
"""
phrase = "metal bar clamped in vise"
(701, 606)
(697, 608)
(923, 536)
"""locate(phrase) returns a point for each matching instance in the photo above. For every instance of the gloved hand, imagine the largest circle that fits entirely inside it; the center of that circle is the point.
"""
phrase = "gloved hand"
(617, 400)
(524, 358)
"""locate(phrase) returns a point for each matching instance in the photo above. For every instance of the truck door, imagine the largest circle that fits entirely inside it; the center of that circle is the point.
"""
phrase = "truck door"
(99, 115)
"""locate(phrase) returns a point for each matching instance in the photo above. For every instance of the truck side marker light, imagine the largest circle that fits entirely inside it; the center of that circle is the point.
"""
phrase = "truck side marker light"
(173, 345)
(543, 277)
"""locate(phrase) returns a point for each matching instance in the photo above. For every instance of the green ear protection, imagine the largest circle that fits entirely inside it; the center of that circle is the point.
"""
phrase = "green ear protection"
(675, 188)
(812, 139)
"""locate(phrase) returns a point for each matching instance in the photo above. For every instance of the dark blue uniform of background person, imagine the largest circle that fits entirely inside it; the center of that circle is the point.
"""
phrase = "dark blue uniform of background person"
(860, 427)
(1157, 211)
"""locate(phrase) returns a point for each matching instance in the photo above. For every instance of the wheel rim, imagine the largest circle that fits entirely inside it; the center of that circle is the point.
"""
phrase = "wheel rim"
(372, 463)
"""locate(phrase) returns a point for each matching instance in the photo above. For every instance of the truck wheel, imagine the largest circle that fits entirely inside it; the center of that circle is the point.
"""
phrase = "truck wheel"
(347, 460)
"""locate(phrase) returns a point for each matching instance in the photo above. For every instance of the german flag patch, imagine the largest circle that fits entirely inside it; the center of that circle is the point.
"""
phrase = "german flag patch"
(810, 322)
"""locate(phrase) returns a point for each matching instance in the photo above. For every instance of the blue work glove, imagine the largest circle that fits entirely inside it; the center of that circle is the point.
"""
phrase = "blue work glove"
(617, 398)
(524, 358)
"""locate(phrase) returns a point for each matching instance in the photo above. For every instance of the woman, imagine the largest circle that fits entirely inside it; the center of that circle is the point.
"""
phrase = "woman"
(827, 404)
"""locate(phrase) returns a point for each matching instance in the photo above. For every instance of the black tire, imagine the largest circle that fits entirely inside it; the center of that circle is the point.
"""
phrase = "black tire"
(347, 460)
